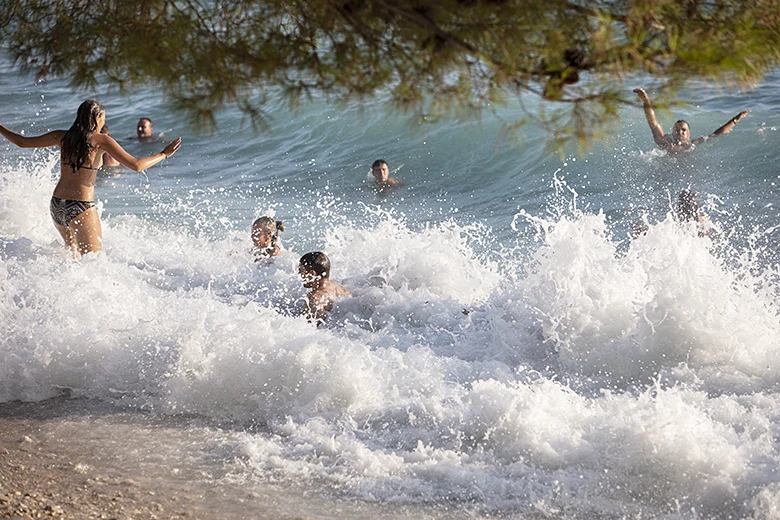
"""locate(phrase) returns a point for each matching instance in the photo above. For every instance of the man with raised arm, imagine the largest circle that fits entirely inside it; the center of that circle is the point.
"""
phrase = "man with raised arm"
(680, 139)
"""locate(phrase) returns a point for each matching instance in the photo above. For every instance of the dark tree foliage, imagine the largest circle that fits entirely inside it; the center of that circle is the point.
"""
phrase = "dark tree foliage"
(442, 58)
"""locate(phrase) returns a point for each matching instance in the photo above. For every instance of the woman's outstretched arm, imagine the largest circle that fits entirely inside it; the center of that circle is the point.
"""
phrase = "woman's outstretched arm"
(658, 132)
(728, 127)
(108, 144)
(40, 141)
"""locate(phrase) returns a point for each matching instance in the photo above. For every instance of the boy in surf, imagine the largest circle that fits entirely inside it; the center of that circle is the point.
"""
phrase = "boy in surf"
(381, 173)
(314, 269)
(681, 131)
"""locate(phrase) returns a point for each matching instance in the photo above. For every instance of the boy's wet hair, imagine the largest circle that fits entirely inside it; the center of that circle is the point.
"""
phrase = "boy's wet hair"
(316, 261)
(378, 163)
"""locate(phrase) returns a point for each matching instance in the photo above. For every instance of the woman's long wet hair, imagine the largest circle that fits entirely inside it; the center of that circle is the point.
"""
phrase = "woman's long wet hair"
(76, 143)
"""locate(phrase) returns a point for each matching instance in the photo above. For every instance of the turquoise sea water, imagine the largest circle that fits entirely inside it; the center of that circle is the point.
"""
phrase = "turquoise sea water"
(508, 351)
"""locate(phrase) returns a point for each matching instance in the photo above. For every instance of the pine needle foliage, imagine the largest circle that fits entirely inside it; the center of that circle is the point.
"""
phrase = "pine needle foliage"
(448, 58)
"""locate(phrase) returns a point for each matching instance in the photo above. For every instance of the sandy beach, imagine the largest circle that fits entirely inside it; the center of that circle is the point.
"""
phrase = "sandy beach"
(55, 468)
(39, 478)
(83, 459)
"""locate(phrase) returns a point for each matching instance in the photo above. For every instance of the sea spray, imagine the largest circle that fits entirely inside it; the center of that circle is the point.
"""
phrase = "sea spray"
(553, 366)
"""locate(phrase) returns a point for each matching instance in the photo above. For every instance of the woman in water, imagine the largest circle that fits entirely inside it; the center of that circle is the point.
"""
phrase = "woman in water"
(265, 237)
(81, 153)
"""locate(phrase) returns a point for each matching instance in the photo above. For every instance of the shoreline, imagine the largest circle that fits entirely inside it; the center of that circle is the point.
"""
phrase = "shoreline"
(56, 462)
(39, 478)
(84, 459)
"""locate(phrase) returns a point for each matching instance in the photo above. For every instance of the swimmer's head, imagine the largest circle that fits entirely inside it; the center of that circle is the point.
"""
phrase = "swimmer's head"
(265, 232)
(687, 207)
(380, 170)
(681, 132)
(314, 267)
(144, 128)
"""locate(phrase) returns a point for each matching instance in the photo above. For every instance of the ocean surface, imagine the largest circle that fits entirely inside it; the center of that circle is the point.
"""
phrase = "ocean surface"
(509, 351)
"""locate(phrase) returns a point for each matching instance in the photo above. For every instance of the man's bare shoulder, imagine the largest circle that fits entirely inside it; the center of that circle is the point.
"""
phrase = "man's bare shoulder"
(338, 289)
(329, 293)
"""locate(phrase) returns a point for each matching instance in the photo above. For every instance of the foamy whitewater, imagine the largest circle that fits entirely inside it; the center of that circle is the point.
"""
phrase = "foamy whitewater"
(508, 351)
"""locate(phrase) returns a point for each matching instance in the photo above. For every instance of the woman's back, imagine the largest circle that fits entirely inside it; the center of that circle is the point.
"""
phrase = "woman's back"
(80, 155)
(79, 184)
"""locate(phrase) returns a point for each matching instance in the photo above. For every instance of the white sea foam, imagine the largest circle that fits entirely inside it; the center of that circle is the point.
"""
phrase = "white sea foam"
(547, 368)
(633, 380)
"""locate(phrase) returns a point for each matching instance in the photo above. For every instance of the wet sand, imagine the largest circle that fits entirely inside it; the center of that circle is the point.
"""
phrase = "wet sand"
(41, 478)
(58, 461)
(79, 459)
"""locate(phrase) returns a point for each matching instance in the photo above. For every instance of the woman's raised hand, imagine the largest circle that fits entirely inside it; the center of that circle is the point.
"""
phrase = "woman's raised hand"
(171, 148)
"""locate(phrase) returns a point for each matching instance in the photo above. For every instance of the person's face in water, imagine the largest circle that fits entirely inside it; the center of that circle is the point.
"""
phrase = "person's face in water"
(260, 238)
(311, 279)
(681, 133)
(144, 129)
(381, 173)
